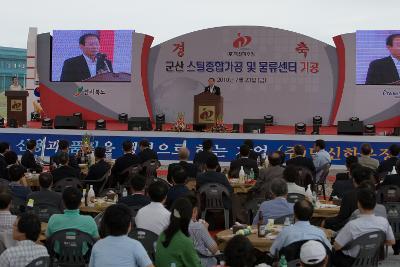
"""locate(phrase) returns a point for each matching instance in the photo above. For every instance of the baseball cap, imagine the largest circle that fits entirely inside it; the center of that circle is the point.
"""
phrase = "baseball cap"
(312, 252)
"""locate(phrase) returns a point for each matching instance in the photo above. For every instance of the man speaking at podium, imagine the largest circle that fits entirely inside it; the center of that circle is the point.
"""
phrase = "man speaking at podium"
(87, 65)
(212, 88)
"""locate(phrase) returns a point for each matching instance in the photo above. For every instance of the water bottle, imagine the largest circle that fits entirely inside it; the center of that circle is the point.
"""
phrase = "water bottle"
(241, 175)
(91, 197)
(309, 193)
(124, 192)
(282, 261)
(173, 264)
(394, 170)
(251, 176)
(314, 199)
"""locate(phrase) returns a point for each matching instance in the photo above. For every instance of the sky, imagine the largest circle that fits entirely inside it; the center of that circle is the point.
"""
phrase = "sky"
(166, 19)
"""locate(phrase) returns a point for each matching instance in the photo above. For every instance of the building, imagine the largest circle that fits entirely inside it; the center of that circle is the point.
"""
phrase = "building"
(12, 63)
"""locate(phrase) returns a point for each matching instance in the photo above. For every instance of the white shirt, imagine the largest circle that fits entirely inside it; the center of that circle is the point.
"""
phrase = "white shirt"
(294, 188)
(396, 63)
(15, 87)
(91, 65)
(153, 217)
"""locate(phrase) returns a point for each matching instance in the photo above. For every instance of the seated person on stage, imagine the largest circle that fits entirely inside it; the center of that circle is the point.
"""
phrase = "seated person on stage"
(4, 147)
(393, 179)
(344, 181)
(300, 160)
(146, 153)
(45, 196)
(349, 200)
(239, 252)
(212, 88)
(174, 244)
(321, 156)
(200, 158)
(28, 158)
(26, 231)
(301, 230)
(290, 174)
(252, 155)
(100, 168)
(365, 157)
(366, 223)
(245, 162)
(63, 147)
(388, 164)
(117, 249)
(179, 188)
(6, 218)
(190, 168)
(64, 170)
(277, 207)
(125, 161)
(313, 254)
(18, 185)
(154, 217)
(71, 219)
(138, 197)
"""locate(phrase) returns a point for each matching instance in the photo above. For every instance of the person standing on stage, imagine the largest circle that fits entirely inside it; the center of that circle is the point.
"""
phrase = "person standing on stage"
(212, 88)
(15, 86)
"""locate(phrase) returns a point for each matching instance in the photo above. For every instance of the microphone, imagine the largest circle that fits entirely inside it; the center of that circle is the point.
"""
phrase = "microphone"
(102, 57)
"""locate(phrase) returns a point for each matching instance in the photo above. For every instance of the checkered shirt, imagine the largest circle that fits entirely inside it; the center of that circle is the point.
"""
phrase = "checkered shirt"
(22, 254)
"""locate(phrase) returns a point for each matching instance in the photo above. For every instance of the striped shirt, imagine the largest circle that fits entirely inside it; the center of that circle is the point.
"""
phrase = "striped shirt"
(202, 242)
(6, 220)
(22, 254)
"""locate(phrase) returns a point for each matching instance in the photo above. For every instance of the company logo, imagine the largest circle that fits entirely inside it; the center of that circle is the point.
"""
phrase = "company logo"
(391, 92)
(241, 41)
(78, 91)
(16, 105)
(206, 114)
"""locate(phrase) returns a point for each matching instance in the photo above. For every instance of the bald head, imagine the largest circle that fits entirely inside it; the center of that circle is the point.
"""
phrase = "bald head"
(183, 153)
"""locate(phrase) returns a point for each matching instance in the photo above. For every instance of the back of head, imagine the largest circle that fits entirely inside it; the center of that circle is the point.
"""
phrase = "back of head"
(100, 152)
(212, 162)
(10, 157)
(5, 199)
(138, 182)
(63, 144)
(366, 198)
(16, 172)
(116, 220)
(361, 174)
(144, 143)
(290, 174)
(127, 146)
(244, 151)
(275, 159)
(299, 150)
(158, 191)
(207, 145)
(366, 149)
(4, 146)
(192, 199)
(320, 143)
(279, 187)
(313, 254)
(303, 210)
(29, 224)
(350, 160)
(282, 155)
(239, 252)
(72, 198)
(45, 179)
(179, 176)
(183, 153)
(63, 158)
(31, 144)
(249, 143)
(394, 150)
(368, 184)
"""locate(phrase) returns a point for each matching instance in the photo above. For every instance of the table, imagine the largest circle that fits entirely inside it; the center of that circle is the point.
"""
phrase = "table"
(240, 188)
(326, 212)
(99, 206)
(32, 179)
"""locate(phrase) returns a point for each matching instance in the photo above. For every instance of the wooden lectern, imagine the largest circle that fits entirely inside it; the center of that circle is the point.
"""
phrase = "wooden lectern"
(207, 108)
(16, 106)
(110, 77)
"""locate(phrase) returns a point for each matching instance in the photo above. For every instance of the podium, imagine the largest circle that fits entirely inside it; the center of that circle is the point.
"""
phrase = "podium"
(110, 77)
(207, 108)
(16, 106)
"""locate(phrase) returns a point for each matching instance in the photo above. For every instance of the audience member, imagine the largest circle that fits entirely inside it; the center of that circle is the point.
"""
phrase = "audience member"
(146, 153)
(290, 174)
(138, 197)
(4, 147)
(321, 156)
(190, 168)
(127, 160)
(365, 157)
(28, 159)
(99, 169)
(366, 223)
(300, 160)
(117, 249)
(174, 244)
(64, 170)
(11, 158)
(283, 156)
(277, 207)
(63, 147)
(344, 181)
(252, 155)
(349, 161)
(301, 230)
(388, 164)
(154, 217)
(313, 254)
(18, 184)
(179, 189)
(244, 161)
(239, 252)
(200, 158)
(393, 179)
(6, 218)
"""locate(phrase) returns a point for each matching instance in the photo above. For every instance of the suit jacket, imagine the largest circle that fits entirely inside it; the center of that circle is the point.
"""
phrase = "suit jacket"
(382, 71)
(348, 206)
(200, 159)
(96, 172)
(3, 168)
(64, 172)
(387, 165)
(135, 200)
(247, 164)
(75, 69)
(302, 162)
(217, 90)
(175, 192)
(392, 179)
(253, 155)
(262, 187)
(29, 162)
(47, 197)
(341, 187)
(191, 169)
(368, 162)
(123, 162)
(73, 162)
(147, 154)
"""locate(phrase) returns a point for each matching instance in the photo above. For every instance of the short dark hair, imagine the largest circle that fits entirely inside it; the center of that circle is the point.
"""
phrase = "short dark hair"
(31, 144)
(279, 187)
(350, 160)
(138, 182)
(100, 152)
(5, 199)
(14, 77)
(63, 158)
(211, 78)
(394, 150)
(144, 143)
(282, 155)
(127, 145)
(117, 219)
(212, 162)
(366, 149)
(45, 179)
(303, 210)
(82, 39)
(367, 184)
(10, 157)
(16, 172)
(366, 198)
(239, 252)
(249, 143)
(244, 150)
(290, 174)
(299, 150)
(361, 174)
(4, 146)
(320, 143)
(354, 166)
(29, 224)
(273, 160)
(390, 38)
(72, 197)
(63, 144)
(158, 191)
(179, 175)
(207, 144)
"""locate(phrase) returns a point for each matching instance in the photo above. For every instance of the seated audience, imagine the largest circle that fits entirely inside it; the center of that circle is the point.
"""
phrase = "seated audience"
(45, 196)
(393, 179)
(301, 230)
(239, 252)
(277, 207)
(154, 217)
(138, 197)
(4, 147)
(125, 161)
(283, 156)
(117, 249)
(300, 160)
(28, 159)
(179, 188)
(244, 161)
(200, 158)
(26, 231)
(174, 244)
(146, 153)
(313, 254)
(18, 185)
(366, 223)
(365, 157)
(11, 158)
(6, 218)
(190, 168)
(321, 156)
(99, 169)
(290, 174)
(64, 170)
(344, 181)
(388, 164)
(350, 160)
(204, 244)
(252, 155)
(63, 147)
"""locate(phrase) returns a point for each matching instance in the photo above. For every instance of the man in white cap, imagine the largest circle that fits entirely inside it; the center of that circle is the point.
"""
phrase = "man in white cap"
(313, 254)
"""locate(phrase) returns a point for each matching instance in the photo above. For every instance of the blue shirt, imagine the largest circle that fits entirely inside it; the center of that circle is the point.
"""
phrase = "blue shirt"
(396, 63)
(119, 251)
(274, 209)
(321, 158)
(301, 230)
